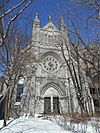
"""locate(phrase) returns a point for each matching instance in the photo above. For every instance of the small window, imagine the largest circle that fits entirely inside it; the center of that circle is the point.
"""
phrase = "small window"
(92, 90)
(20, 87)
(96, 102)
(19, 92)
(87, 73)
(45, 37)
(49, 38)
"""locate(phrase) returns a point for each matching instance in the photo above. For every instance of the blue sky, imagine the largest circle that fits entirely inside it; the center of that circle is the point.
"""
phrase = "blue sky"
(67, 8)
(70, 11)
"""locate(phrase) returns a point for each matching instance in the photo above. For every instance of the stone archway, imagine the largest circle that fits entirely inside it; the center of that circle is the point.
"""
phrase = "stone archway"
(53, 85)
(51, 94)
(51, 101)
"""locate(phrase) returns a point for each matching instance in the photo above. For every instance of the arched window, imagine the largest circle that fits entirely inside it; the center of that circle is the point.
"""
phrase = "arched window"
(48, 38)
(55, 38)
(20, 87)
(45, 37)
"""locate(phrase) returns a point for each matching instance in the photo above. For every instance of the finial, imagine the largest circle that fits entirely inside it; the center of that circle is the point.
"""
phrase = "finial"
(62, 25)
(37, 15)
(49, 18)
(61, 20)
(37, 18)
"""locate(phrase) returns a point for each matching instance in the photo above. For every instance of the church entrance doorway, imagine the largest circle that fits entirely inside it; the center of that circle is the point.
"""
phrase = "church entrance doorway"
(51, 104)
(56, 104)
(47, 104)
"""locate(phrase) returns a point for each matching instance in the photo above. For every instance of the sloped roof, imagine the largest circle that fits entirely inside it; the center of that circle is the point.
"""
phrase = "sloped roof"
(50, 26)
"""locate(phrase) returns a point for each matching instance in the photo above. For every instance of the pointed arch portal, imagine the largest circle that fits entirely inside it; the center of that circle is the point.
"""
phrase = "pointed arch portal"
(51, 93)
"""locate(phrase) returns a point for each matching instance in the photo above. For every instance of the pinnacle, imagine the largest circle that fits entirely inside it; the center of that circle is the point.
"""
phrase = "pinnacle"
(37, 18)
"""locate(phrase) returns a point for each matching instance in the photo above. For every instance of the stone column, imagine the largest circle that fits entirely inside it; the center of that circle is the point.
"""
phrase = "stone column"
(51, 103)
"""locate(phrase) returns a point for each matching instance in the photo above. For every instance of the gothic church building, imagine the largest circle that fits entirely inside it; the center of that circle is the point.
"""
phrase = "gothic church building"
(48, 87)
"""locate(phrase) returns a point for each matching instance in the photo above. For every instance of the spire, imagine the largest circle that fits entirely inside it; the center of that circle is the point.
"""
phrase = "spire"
(62, 21)
(49, 18)
(36, 20)
(62, 25)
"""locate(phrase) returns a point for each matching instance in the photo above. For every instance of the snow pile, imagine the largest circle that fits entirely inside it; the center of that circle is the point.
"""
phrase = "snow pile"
(49, 124)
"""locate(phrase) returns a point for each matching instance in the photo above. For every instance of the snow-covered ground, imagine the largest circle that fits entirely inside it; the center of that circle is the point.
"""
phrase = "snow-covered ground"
(52, 125)
(33, 125)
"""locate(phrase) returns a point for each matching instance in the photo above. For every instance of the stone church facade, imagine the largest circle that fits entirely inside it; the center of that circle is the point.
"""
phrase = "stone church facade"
(48, 86)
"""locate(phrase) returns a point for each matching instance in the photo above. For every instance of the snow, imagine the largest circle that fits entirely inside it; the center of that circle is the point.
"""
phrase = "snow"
(17, 103)
(21, 81)
(33, 125)
(89, 126)
(1, 95)
(40, 124)
(1, 123)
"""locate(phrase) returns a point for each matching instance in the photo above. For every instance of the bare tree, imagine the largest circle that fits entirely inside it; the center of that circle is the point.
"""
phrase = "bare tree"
(5, 13)
(12, 57)
(13, 67)
(94, 4)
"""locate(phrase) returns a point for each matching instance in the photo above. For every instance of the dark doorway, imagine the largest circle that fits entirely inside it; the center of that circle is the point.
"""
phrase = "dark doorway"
(56, 104)
(47, 104)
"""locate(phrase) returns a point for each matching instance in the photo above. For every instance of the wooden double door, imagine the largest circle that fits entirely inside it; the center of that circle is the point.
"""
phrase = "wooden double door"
(51, 104)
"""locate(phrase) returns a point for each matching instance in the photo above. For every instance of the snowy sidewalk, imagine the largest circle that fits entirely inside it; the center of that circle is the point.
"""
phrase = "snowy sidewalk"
(32, 125)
